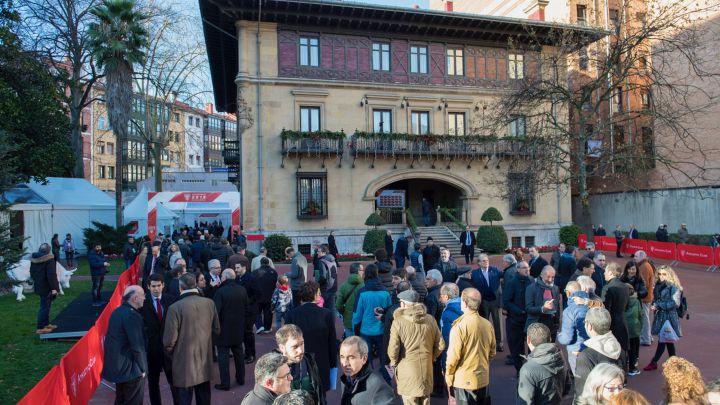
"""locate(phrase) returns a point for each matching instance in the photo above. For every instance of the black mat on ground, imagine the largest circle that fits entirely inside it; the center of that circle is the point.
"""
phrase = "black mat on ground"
(78, 317)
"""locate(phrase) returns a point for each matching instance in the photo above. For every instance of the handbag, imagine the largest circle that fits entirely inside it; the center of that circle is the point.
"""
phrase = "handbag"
(667, 333)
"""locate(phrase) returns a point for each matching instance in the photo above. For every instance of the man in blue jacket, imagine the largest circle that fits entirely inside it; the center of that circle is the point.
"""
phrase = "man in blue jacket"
(371, 298)
(450, 299)
(125, 362)
(572, 331)
(98, 268)
(486, 279)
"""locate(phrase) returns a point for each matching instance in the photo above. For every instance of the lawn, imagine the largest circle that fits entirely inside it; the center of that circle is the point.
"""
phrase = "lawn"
(117, 266)
(25, 359)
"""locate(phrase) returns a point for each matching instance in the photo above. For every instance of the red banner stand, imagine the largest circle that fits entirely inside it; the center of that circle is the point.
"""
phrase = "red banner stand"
(695, 254)
(630, 246)
(582, 241)
(77, 377)
(662, 250)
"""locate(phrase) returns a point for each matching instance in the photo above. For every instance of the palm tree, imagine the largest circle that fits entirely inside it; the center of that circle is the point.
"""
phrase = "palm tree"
(118, 41)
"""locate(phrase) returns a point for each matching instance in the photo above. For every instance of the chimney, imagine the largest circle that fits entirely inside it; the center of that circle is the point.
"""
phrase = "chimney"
(449, 5)
(209, 108)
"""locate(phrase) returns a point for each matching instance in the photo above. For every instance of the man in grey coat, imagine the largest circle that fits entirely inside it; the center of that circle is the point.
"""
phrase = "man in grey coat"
(125, 360)
(190, 325)
(542, 377)
(298, 272)
(272, 378)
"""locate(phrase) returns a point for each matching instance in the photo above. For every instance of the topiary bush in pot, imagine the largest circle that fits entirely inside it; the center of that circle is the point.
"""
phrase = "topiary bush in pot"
(569, 234)
(492, 238)
(275, 245)
(374, 239)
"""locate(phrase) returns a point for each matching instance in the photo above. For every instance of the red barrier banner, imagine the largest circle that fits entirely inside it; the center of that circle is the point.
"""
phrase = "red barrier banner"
(630, 246)
(662, 250)
(695, 254)
(605, 243)
(582, 241)
(717, 256)
(50, 390)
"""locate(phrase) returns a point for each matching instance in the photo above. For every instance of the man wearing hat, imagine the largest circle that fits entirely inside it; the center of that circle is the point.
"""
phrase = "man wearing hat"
(415, 342)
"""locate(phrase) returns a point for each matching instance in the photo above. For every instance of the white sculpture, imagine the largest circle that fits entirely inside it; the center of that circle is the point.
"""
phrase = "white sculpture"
(21, 272)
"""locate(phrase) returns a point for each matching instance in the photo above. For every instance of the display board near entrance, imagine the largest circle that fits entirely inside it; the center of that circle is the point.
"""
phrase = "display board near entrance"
(208, 203)
(391, 199)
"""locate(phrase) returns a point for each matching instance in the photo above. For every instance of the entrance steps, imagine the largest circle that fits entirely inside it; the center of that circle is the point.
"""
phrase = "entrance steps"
(442, 235)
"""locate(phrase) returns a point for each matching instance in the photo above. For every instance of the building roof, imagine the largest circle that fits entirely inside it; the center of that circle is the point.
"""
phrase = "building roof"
(219, 17)
(59, 191)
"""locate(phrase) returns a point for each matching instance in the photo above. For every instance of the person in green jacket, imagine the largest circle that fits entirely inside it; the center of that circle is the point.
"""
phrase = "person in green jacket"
(345, 300)
(633, 316)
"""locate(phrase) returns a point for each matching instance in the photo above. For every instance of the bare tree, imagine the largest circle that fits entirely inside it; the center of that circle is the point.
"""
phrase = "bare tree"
(57, 31)
(598, 106)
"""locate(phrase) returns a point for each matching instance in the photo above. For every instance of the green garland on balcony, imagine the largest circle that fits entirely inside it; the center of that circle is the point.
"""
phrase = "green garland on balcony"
(403, 136)
(297, 135)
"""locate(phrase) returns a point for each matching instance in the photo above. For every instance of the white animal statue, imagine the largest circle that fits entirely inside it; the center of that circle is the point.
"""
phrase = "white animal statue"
(21, 272)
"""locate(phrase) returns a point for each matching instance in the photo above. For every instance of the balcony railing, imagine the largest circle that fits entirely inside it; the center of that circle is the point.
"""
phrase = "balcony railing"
(446, 146)
(312, 143)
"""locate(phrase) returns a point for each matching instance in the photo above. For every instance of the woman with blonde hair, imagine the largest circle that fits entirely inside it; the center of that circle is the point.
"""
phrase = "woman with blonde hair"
(603, 384)
(629, 397)
(666, 300)
(683, 383)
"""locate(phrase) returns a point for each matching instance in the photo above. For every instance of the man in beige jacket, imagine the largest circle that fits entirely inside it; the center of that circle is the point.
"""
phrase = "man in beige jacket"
(471, 348)
(415, 342)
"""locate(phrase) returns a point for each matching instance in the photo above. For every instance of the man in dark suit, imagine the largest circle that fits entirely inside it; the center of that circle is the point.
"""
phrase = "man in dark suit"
(536, 262)
(155, 263)
(245, 279)
(212, 278)
(486, 279)
(153, 313)
(318, 328)
(401, 251)
(467, 244)
(231, 301)
(125, 362)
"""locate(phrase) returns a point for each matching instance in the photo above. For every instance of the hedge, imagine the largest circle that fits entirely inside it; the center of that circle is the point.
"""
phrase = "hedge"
(492, 238)
(111, 239)
(569, 234)
(374, 239)
(275, 245)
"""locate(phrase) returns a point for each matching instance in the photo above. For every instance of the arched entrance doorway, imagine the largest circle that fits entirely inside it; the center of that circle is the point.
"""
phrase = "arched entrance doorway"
(436, 192)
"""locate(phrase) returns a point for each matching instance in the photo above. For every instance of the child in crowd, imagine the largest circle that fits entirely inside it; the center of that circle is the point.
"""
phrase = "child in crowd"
(633, 316)
(281, 300)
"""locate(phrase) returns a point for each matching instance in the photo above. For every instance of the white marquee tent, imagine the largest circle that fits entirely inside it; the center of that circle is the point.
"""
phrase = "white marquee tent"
(63, 205)
(137, 211)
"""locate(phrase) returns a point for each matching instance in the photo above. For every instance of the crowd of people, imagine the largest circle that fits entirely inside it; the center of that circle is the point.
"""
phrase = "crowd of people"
(573, 326)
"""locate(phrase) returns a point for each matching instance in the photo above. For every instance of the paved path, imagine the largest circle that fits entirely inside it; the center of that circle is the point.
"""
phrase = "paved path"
(697, 345)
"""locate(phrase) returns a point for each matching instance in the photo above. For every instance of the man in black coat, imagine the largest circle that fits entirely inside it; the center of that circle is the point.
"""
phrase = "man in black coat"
(266, 278)
(401, 251)
(212, 278)
(130, 252)
(231, 302)
(514, 304)
(467, 244)
(431, 254)
(245, 279)
(543, 301)
(616, 297)
(153, 313)
(360, 385)
(537, 263)
(318, 327)
(155, 262)
(44, 274)
(303, 367)
(125, 362)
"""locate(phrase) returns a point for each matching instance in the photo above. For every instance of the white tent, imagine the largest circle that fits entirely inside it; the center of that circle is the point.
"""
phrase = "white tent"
(63, 205)
(137, 211)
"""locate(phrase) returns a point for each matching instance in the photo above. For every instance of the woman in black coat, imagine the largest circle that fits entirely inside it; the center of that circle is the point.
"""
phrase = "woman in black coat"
(616, 297)
(332, 245)
(630, 276)
(388, 243)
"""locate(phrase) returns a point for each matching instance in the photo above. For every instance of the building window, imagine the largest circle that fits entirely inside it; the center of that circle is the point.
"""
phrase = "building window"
(309, 119)
(645, 98)
(165, 155)
(418, 59)
(176, 117)
(382, 121)
(618, 137)
(516, 242)
(102, 123)
(110, 148)
(455, 62)
(190, 120)
(311, 195)
(581, 14)
(618, 99)
(529, 241)
(111, 172)
(197, 122)
(100, 148)
(177, 157)
(197, 159)
(101, 172)
(177, 136)
(309, 51)
(191, 158)
(381, 56)
(584, 58)
(420, 122)
(517, 125)
(615, 18)
(521, 191)
(648, 146)
(456, 123)
(516, 66)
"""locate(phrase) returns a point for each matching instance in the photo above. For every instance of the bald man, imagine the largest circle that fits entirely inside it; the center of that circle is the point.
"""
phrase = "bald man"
(125, 361)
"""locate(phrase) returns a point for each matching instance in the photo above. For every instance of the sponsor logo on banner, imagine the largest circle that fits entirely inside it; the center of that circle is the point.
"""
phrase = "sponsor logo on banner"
(77, 379)
(195, 197)
(695, 254)
(662, 250)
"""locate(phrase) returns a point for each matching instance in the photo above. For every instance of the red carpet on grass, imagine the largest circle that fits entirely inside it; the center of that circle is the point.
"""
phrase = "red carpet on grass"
(699, 340)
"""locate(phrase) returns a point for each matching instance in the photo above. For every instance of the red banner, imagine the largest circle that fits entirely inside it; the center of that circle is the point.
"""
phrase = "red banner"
(582, 241)
(695, 254)
(630, 246)
(78, 376)
(662, 250)
(605, 243)
(717, 256)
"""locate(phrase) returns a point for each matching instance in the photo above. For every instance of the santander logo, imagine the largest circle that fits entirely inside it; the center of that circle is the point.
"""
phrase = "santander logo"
(77, 379)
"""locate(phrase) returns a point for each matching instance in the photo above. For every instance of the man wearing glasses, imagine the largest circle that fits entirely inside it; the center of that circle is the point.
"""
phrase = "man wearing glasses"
(272, 379)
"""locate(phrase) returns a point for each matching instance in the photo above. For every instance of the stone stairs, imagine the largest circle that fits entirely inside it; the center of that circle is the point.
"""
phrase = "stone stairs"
(442, 235)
